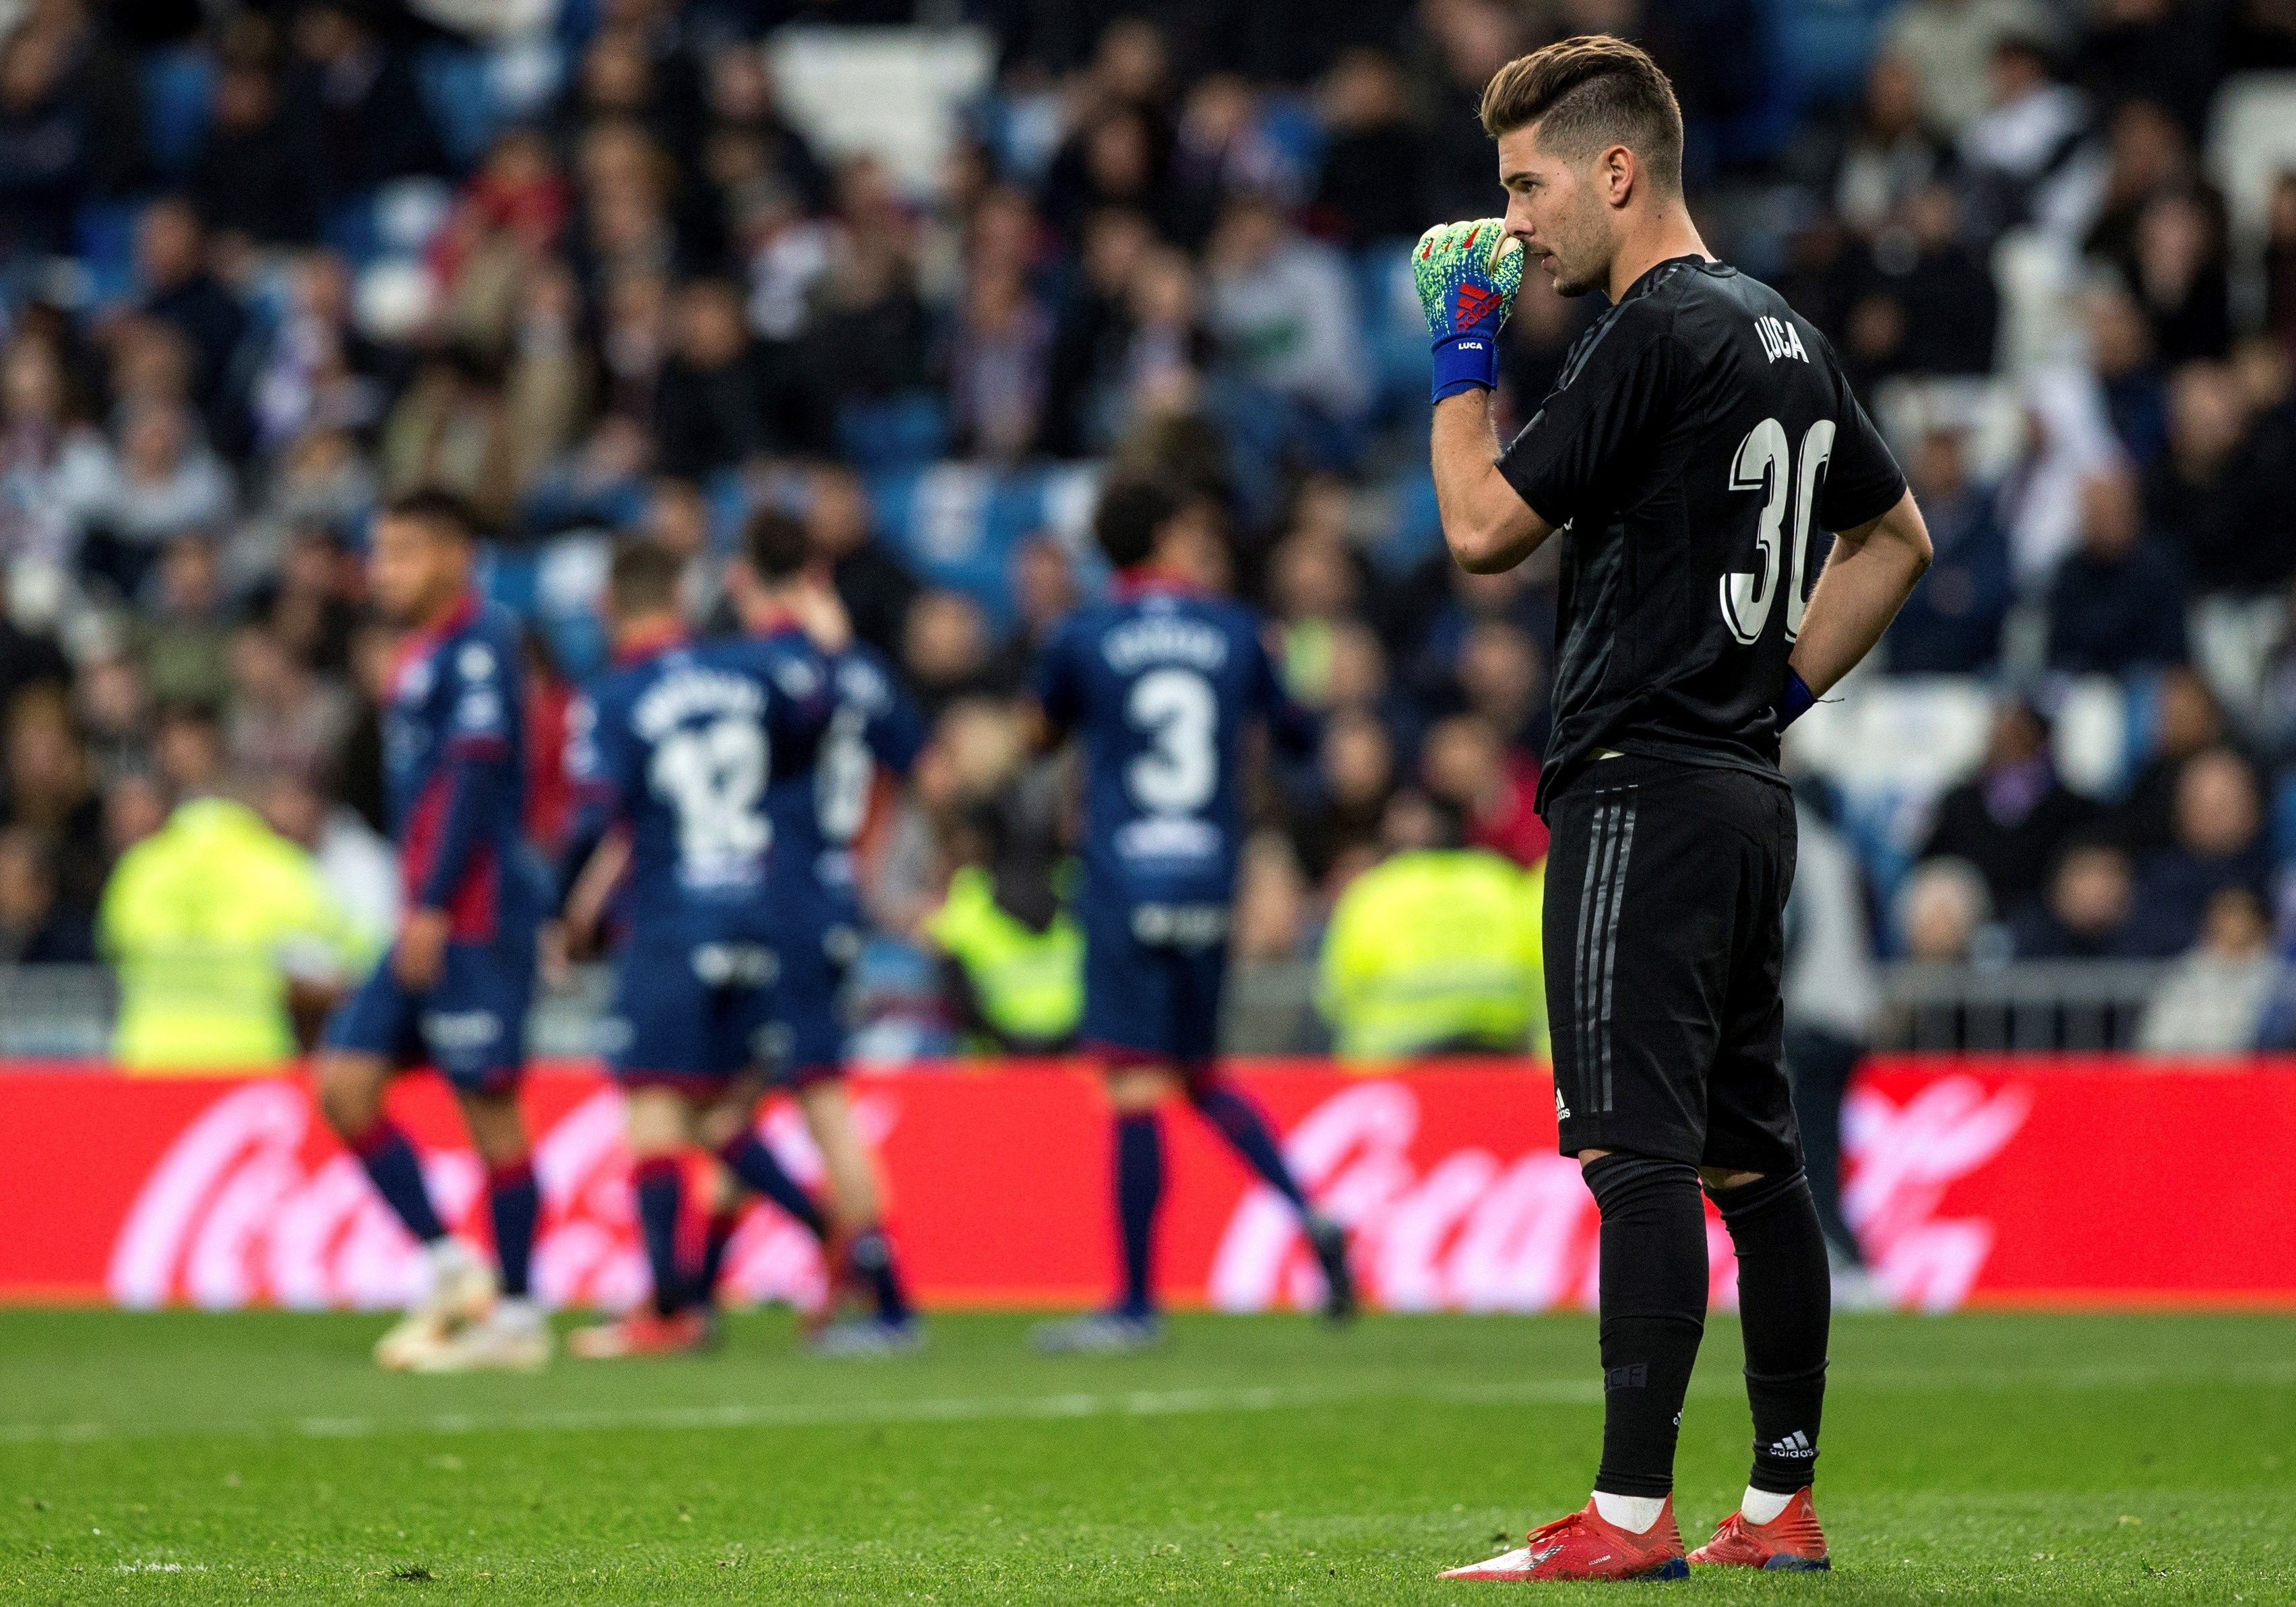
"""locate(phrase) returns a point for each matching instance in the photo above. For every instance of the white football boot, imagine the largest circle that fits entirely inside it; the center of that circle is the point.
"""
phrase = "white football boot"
(462, 1291)
(515, 1337)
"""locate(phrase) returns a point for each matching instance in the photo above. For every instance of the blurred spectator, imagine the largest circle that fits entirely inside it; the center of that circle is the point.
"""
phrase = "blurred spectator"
(946, 651)
(1890, 154)
(999, 369)
(1013, 960)
(717, 405)
(1932, 307)
(875, 586)
(2068, 437)
(1283, 311)
(184, 643)
(112, 706)
(282, 717)
(1043, 592)
(2214, 1002)
(1355, 768)
(2208, 493)
(36, 927)
(2136, 394)
(27, 658)
(180, 289)
(2030, 158)
(214, 923)
(2219, 843)
(1272, 902)
(2186, 720)
(1952, 623)
(2117, 601)
(168, 486)
(2167, 51)
(1948, 45)
(1436, 949)
(354, 105)
(2177, 269)
(1942, 908)
(2280, 261)
(47, 138)
(1092, 331)
(1467, 766)
(254, 178)
(51, 794)
(1373, 155)
(354, 861)
(2087, 914)
(2009, 822)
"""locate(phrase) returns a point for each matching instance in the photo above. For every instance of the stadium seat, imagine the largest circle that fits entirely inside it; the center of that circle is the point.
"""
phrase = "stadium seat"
(459, 96)
(179, 101)
(2251, 142)
(895, 93)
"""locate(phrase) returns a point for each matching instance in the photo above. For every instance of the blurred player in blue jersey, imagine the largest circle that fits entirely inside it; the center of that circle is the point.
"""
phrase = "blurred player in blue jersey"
(1162, 682)
(677, 751)
(817, 815)
(452, 991)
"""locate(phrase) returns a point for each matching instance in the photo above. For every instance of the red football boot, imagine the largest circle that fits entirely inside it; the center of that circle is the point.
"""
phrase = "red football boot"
(1790, 1543)
(1582, 1547)
(644, 1332)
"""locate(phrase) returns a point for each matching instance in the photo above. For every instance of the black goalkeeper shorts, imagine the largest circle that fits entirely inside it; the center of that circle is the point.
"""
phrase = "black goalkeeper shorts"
(1665, 891)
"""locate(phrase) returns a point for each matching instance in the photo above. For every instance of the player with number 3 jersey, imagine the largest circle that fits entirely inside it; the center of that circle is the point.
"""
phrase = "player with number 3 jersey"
(1162, 682)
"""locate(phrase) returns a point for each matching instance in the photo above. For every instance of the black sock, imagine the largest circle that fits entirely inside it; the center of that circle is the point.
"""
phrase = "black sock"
(1139, 1188)
(871, 1260)
(722, 1224)
(1785, 1301)
(746, 1154)
(1654, 1305)
(1240, 1121)
(660, 1181)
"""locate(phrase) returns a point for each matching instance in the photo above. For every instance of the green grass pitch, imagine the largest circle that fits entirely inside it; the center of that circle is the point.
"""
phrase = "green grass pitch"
(259, 1458)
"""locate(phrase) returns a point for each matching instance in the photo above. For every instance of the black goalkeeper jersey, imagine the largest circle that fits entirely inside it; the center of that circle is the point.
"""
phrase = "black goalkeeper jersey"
(1695, 456)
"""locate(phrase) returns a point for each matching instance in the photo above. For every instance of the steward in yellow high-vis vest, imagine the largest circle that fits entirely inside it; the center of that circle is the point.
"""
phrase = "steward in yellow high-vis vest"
(1027, 985)
(1436, 951)
(206, 921)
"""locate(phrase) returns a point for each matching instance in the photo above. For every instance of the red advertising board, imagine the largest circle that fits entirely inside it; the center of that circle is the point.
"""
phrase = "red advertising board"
(2006, 1181)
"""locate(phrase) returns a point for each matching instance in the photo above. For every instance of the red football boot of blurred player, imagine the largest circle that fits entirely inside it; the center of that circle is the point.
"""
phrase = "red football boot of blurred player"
(644, 1332)
(1790, 1543)
(1583, 1546)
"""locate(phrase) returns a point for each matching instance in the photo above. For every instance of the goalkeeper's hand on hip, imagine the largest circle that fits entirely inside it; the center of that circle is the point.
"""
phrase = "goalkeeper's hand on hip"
(1468, 275)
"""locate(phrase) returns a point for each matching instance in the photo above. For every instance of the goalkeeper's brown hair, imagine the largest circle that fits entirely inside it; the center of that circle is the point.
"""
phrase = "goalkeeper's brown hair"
(1587, 95)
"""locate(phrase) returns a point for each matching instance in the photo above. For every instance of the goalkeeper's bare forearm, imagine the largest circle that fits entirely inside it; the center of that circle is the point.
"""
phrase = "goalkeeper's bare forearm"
(1486, 522)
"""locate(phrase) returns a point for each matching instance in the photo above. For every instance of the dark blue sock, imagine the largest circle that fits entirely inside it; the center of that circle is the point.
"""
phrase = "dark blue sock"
(1139, 1188)
(722, 1226)
(660, 1185)
(872, 1256)
(516, 1204)
(397, 1176)
(754, 1164)
(1228, 1108)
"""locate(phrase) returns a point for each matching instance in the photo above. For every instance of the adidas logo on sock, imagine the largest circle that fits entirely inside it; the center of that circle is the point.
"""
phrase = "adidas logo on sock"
(1794, 1445)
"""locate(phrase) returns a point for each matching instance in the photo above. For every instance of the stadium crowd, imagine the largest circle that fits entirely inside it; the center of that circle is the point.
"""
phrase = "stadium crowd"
(267, 263)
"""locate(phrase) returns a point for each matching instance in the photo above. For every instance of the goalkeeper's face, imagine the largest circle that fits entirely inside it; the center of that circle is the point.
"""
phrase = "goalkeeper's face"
(1557, 210)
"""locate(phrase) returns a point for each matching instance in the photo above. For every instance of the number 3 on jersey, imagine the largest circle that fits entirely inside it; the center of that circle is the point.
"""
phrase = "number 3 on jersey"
(1177, 709)
(1764, 464)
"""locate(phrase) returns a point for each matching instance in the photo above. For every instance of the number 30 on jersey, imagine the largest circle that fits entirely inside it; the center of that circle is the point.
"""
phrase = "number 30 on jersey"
(1765, 462)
